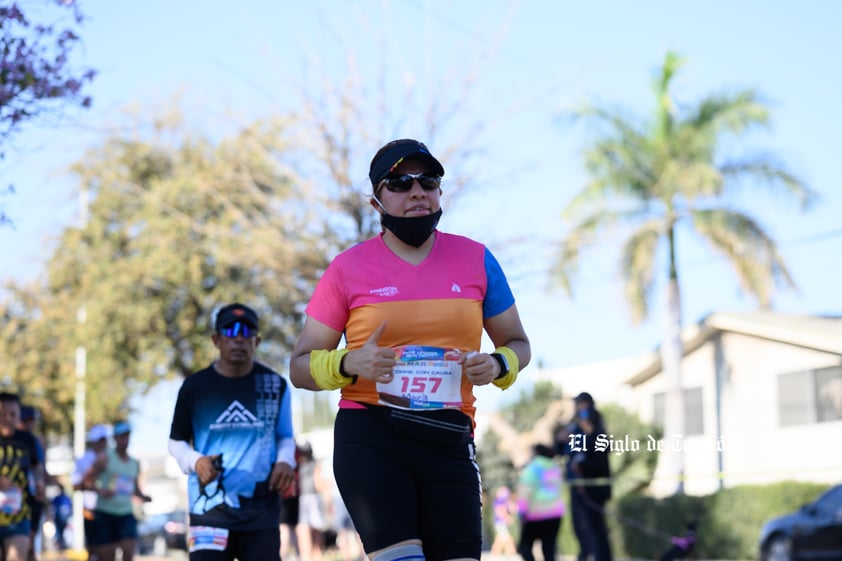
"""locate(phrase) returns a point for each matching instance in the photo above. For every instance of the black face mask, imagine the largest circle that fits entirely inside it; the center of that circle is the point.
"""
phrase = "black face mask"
(411, 230)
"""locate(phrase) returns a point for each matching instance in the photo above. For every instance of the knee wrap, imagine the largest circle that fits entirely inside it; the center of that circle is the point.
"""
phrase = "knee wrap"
(409, 552)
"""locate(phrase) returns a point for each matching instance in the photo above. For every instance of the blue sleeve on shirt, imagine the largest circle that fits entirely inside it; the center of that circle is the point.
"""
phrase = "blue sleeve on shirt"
(498, 295)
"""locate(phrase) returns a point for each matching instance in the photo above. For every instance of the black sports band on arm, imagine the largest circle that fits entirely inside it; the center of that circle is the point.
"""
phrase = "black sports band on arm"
(514, 366)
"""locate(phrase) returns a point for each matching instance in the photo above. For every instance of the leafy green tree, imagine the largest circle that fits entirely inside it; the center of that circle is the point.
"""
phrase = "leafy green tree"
(31, 346)
(668, 177)
(176, 228)
(168, 230)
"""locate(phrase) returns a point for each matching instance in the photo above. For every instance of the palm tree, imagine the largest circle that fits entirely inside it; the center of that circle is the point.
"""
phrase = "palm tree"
(666, 176)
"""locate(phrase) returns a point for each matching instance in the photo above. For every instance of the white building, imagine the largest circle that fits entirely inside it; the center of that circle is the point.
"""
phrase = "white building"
(762, 399)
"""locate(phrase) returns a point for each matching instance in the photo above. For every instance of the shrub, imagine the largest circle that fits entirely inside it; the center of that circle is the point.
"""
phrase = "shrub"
(729, 520)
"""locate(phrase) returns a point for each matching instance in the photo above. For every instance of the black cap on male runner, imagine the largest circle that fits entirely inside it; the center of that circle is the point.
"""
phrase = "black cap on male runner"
(389, 156)
(233, 313)
(584, 397)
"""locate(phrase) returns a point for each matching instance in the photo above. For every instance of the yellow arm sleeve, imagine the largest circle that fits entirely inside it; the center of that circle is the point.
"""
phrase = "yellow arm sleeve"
(324, 368)
(514, 368)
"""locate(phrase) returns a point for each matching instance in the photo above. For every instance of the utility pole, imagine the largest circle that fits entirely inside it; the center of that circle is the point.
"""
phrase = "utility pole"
(79, 401)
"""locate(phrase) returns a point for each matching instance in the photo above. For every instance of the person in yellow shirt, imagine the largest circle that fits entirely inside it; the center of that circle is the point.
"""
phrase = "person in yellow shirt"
(19, 460)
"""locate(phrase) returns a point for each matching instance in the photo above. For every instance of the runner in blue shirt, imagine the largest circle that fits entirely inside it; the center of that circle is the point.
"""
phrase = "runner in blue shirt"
(232, 434)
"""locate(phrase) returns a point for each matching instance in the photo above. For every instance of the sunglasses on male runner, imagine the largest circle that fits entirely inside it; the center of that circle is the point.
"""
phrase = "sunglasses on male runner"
(238, 329)
(403, 183)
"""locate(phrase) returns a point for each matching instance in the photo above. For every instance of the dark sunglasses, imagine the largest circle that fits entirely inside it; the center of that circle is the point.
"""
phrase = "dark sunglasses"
(403, 183)
(238, 329)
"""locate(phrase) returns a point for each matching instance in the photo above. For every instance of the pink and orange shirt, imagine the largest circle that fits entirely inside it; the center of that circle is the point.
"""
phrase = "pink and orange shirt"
(441, 302)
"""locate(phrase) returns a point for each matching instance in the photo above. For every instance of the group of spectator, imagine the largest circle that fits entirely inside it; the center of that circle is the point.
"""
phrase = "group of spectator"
(313, 515)
(539, 503)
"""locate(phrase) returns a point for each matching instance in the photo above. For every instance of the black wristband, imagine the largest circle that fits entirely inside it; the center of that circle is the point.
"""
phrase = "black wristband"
(342, 367)
(504, 366)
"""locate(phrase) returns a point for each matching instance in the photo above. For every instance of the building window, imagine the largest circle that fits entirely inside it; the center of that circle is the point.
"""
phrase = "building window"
(693, 411)
(811, 396)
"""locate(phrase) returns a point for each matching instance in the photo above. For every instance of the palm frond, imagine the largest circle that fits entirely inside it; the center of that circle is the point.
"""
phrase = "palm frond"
(751, 251)
(666, 111)
(734, 113)
(771, 173)
(583, 235)
(618, 162)
(639, 256)
(672, 63)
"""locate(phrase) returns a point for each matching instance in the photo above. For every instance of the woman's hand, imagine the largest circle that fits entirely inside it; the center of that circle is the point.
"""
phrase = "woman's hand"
(371, 360)
(480, 368)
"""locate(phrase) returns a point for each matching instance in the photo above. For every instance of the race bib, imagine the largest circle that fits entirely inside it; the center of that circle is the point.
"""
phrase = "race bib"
(208, 537)
(424, 378)
(11, 501)
(123, 485)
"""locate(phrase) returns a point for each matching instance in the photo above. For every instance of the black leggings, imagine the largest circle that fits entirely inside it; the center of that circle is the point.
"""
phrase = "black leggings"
(404, 480)
(544, 530)
(597, 529)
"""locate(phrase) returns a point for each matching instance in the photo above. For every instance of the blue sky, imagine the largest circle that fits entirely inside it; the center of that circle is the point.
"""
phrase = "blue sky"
(540, 58)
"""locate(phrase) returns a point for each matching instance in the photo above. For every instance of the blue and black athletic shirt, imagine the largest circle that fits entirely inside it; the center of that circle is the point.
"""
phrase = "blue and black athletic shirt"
(243, 419)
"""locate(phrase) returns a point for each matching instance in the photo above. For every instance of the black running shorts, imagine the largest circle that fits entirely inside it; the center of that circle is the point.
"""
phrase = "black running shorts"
(410, 475)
